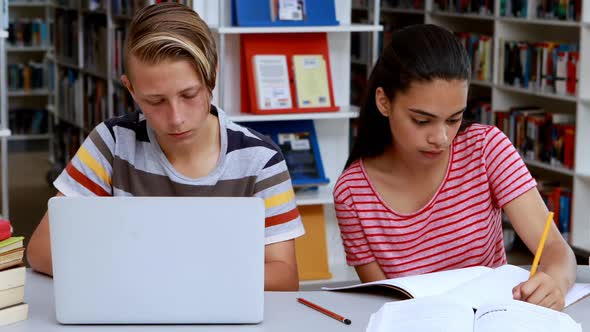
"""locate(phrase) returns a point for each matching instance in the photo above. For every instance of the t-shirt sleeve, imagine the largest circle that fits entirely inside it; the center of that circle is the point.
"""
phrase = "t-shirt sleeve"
(273, 185)
(89, 172)
(507, 173)
(356, 246)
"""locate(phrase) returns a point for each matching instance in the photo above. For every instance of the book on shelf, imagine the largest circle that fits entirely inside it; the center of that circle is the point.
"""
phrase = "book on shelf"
(28, 32)
(95, 39)
(472, 286)
(299, 144)
(287, 10)
(568, 10)
(127, 7)
(26, 76)
(478, 7)
(27, 121)
(439, 313)
(540, 66)
(283, 12)
(271, 77)
(311, 81)
(66, 35)
(539, 135)
(558, 199)
(401, 4)
(479, 48)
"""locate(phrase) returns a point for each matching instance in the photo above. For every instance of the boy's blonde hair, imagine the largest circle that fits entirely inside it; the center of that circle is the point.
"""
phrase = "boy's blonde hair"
(169, 31)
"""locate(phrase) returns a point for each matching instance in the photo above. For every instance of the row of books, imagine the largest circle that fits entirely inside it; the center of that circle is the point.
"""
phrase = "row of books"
(569, 10)
(69, 97)
(28, 32)
(558, 199)
(273, 91)
(25, 76)
(65, 144)
(480, 50)
(548, 67)
(123, 103)
(479, 109)
(539, 135)
(95, 39)
(12, 276)
(66, 35)
(480, 7)
(27, 121)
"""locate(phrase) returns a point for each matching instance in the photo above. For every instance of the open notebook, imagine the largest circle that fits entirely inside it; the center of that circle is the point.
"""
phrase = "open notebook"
(439, 313)
(473, 286)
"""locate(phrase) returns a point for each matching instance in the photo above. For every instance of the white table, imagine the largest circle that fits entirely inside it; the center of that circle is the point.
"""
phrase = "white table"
(281, 313)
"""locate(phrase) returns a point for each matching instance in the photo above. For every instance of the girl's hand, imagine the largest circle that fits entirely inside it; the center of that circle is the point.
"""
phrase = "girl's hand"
(542, 290)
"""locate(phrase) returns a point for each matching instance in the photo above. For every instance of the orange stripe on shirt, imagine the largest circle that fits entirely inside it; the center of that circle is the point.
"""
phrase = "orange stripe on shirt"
(85, 181)
(282, 218)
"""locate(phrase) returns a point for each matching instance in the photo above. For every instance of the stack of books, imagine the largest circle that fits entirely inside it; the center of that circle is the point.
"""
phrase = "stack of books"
(12, 278)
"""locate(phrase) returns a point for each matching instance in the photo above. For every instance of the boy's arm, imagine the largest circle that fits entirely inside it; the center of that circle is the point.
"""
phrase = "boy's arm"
(39, 247)
(280, 267)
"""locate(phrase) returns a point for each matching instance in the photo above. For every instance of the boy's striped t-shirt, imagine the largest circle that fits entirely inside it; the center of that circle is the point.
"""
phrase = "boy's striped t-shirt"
(461, 226)
(121, 157)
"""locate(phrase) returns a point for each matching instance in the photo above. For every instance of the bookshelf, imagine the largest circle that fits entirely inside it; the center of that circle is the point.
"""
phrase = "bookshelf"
(4, 131)
(27, 52)
(503, 96)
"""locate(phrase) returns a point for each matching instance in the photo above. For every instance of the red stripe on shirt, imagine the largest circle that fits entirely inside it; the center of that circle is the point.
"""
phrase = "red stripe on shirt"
(85, 181)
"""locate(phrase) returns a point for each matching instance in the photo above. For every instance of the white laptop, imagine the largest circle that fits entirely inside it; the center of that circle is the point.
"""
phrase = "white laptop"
(157, 260)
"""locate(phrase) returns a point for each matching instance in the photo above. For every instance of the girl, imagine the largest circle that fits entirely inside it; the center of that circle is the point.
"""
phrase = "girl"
(179, 144)
(424, 191)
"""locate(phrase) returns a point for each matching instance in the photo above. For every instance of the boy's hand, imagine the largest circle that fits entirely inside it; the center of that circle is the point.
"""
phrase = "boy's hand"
(542, 290)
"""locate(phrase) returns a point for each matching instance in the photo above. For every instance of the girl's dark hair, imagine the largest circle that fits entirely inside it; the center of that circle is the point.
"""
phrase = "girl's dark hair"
(418, 53)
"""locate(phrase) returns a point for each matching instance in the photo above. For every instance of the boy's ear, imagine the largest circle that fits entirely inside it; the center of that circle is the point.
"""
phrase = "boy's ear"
(382, 101)
(127, 83)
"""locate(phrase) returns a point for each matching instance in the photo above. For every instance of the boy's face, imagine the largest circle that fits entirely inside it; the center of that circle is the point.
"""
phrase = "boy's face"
(172, 97)
(425, 119)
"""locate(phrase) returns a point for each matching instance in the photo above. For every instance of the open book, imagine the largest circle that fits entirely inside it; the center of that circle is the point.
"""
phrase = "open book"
(439, 313)
(472, 286)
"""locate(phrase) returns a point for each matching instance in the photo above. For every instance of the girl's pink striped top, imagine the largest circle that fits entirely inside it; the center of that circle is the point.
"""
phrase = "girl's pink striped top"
(461, 225)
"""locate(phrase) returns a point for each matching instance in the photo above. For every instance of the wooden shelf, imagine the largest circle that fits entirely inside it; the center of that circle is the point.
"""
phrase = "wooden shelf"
(548, 167)
(537, 93)
(335, 28)
(539, 21)
(462, 16)
(346, 112)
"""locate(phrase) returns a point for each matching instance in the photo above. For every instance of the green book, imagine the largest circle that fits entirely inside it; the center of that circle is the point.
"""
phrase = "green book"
(11, 244)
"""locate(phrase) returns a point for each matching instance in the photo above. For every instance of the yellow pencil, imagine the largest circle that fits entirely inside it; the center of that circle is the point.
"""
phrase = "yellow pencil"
(541, 245)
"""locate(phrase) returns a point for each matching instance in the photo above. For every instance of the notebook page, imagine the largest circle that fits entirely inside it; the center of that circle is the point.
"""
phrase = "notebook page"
(578, 291)
(428, 284)
(517, 316)
(434, 314)
(493, 287)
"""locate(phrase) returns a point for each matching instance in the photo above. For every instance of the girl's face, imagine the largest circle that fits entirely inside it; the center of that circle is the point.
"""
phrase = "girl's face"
(425, 119)
(172, 97)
